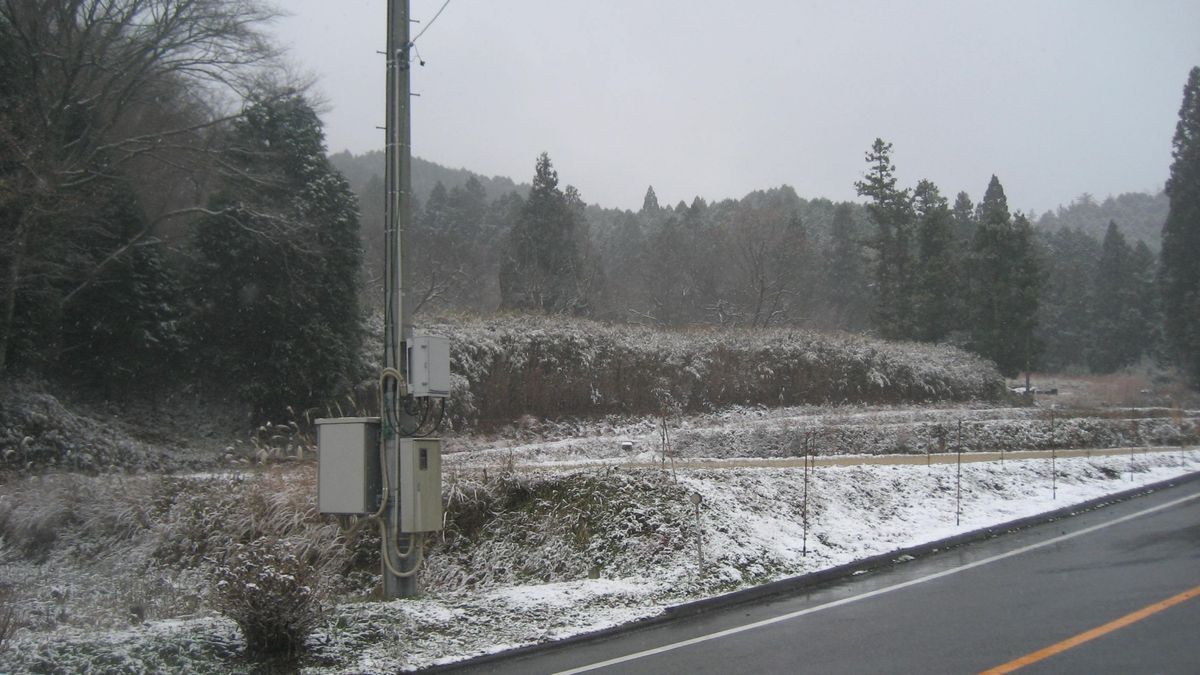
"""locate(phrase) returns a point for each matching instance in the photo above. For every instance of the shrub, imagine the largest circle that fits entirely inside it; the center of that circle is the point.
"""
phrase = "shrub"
(271, 594)
(38, 432)
(557, 367)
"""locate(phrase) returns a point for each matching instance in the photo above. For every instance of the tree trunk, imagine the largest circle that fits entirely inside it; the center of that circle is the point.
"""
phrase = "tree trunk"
(8, 311)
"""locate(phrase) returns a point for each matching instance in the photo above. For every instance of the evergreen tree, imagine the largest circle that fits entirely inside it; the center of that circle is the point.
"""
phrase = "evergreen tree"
(936, 286)
(371, 200)
(545, 268)
(891, 212)
(1117, 322)
(95, 94)
(1146, 300)
(1005, 280)
(650, 203)
(469, 203)
(1180, 272)
(1141, 216)
(622, 252)
(120, 332)
(846, 293)
(964, 221)
(1064, 311)
(276, 267)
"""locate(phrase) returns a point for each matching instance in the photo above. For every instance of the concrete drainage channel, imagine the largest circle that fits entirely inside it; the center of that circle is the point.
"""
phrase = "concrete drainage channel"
(820, 578)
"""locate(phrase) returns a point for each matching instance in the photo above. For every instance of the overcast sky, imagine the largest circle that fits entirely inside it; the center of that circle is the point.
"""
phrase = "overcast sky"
(694, 97)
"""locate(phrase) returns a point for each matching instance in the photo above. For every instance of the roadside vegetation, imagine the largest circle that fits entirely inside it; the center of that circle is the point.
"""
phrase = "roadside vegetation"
(223, 573)
(512, 366)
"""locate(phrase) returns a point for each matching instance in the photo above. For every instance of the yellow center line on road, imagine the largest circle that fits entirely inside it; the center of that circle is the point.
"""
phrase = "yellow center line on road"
(1092, 634)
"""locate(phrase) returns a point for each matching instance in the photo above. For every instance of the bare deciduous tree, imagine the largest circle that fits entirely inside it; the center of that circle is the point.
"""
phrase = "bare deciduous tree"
(103, 96)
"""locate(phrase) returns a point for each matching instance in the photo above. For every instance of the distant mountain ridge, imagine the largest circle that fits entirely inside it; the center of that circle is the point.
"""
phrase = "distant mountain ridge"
(360, 169)
(1139, 215)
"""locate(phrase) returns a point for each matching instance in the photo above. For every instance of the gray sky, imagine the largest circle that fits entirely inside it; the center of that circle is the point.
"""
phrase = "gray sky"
(1057, 98)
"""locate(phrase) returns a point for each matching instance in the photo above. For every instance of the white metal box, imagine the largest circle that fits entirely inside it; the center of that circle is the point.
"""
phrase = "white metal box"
(429, 366)
(348, 474)
(420, 484)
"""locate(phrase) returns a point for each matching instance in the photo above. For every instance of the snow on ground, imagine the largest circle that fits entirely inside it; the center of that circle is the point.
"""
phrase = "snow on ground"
(753, 532)
(753, 527)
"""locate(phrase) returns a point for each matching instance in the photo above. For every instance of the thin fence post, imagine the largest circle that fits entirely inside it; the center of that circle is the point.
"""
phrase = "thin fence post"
(941, 436)
(804, 508)
(1053, 460)
(1177, 413)
(958, 481)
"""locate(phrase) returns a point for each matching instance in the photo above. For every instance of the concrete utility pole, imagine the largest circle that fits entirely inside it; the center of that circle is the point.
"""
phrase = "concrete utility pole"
(389, 468)
(398, 547)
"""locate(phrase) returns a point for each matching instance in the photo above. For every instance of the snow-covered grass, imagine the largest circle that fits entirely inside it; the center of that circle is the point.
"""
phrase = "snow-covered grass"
(835, 430)
(176, 431)
(526, 557)
(37, 432)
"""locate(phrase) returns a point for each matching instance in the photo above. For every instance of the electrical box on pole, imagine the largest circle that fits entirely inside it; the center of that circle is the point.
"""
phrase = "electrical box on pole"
(429, 366)
(349, 480)
(420, 484)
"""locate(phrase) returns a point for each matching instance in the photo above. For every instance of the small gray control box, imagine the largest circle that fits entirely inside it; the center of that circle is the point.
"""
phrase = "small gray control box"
(348, 473)
(429, 366)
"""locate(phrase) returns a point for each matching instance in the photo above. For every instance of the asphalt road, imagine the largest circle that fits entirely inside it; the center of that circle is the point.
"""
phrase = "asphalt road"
(968, 609)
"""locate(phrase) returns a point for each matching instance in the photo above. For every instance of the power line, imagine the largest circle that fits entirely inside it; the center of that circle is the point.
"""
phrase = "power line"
(428, 25)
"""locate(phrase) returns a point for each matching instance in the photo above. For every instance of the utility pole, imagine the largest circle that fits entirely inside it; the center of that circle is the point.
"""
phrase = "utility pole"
(395, 546)
(389, 468)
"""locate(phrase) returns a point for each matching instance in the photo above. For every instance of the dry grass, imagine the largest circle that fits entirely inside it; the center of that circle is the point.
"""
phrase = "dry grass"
(509, 366)
(207, 518)
(111, 550)
(1128, 389)
(8, 618)
(556, 527)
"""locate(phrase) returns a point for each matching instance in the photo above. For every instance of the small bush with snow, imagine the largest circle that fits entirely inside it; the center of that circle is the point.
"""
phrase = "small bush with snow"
(271, 594)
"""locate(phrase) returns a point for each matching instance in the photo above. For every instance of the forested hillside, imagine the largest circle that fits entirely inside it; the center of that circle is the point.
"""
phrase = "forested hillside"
(774, 258)
(1139, 215)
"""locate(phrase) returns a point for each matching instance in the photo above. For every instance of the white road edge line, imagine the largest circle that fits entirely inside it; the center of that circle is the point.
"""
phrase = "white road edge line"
(876, 592)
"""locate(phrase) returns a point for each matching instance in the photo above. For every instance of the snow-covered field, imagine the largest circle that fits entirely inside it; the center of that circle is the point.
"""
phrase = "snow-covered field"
(586, 549)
